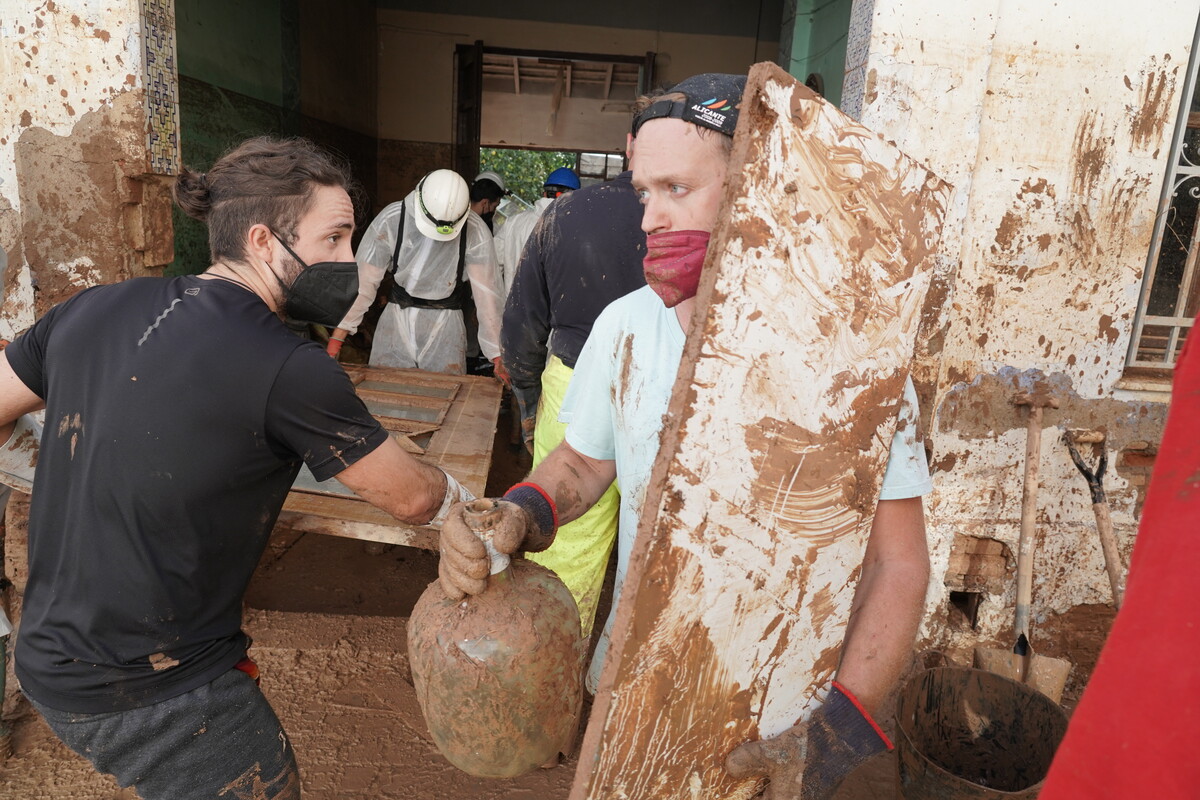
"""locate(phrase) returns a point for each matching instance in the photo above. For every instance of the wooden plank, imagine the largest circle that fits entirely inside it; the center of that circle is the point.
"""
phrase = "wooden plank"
(352, 519)
(410, 381)
(752, 534)
(462, 446)
(408, 427)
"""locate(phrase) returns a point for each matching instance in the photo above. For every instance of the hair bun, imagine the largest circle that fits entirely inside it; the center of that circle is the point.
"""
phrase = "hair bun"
(192, 194)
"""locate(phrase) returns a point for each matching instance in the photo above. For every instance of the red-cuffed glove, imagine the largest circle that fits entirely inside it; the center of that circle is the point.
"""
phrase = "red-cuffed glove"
(525, 519)
(334, 347)
(810, 760)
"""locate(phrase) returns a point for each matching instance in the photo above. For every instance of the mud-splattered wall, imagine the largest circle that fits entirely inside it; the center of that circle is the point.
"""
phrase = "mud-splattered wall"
(81, 203)
(1053, 121)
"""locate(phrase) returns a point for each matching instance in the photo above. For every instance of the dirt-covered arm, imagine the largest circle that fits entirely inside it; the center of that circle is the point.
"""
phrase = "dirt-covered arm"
(15, 398)
(888, 603)
(574, 481)
(390, 478)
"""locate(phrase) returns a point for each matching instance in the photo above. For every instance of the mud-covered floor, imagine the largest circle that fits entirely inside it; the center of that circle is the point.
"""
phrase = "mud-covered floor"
(328, 619)
(339, 680)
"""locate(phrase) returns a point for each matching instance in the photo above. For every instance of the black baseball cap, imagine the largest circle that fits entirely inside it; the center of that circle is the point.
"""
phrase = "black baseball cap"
(712, 102)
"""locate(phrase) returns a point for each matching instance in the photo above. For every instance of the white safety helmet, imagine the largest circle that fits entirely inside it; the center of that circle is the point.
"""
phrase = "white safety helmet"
(495, 178)
(443, 201)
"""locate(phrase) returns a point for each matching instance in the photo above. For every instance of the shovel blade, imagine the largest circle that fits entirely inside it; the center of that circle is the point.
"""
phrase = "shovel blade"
(1046, 675)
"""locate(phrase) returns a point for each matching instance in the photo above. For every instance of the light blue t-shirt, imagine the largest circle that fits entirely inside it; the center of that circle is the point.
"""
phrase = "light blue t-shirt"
(617, 400)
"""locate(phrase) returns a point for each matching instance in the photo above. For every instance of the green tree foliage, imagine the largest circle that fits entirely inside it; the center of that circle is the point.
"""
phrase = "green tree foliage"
(524, 171)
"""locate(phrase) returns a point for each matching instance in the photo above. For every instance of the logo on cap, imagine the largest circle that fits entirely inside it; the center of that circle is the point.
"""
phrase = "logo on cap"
(710, 113)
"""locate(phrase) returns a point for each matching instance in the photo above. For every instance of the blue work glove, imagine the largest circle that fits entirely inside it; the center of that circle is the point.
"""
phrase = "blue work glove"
(524, 519)
(810, 760)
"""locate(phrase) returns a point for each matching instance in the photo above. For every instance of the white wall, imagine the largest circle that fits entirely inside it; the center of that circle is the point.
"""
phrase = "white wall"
(1053, 121)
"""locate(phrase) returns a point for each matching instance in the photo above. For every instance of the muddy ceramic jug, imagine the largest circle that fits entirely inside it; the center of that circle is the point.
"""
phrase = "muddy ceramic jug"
(498, 674)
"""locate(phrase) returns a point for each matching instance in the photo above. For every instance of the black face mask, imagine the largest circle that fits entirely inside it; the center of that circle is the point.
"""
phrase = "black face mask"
(322, 293)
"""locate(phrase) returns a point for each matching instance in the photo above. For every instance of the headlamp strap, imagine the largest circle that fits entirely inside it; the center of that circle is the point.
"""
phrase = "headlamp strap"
(444, 227)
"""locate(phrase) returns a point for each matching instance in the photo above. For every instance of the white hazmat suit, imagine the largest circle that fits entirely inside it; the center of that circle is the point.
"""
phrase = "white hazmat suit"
(511, 238)
(432, 339)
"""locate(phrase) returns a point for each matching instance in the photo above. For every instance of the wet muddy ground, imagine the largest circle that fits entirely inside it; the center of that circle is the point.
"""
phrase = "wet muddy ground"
(328, 619)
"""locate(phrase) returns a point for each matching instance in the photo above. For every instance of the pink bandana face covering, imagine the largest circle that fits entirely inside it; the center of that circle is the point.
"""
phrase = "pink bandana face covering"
(672, 264)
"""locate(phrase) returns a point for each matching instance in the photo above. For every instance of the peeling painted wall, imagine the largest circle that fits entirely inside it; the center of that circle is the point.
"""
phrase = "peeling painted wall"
(80, 204)
(1053, 122)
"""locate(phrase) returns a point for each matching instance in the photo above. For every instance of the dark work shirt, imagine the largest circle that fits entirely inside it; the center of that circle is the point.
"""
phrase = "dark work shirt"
(585, 252)
(178, 412)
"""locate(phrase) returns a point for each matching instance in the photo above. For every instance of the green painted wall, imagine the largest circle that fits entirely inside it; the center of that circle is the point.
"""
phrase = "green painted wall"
(238, 46)
(817, 41)
(238, 77)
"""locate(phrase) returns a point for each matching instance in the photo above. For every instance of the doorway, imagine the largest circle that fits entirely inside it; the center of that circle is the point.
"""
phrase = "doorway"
(545, 100)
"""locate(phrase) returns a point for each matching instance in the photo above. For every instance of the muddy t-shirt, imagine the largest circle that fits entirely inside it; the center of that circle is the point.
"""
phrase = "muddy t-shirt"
(178, 412)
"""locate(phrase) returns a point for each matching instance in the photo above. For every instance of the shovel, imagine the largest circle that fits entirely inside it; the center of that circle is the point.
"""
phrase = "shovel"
(1095, 481)
(1045, 674)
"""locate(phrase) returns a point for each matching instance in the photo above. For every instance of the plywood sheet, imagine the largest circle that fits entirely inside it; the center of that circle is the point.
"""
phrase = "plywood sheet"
(447, 420)
(762, 497)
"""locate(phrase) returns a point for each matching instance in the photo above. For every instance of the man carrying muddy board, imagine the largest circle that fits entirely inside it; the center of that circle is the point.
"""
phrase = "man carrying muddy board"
(614, 410)
(179, 411)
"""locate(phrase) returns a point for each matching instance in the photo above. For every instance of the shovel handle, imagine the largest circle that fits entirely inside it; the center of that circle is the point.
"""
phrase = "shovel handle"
(1112, 556)
(1108, 542)
(1033, 458)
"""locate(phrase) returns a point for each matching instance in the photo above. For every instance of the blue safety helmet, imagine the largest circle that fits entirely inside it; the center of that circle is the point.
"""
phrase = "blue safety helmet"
(564, 177)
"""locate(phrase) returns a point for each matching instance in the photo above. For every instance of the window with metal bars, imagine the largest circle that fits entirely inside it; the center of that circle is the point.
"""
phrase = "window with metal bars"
(1170, 297)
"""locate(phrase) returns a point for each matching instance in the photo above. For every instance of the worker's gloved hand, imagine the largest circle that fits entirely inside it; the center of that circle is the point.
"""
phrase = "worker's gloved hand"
(524, 519)
(500, 372)
(337, 338)
(810, 760)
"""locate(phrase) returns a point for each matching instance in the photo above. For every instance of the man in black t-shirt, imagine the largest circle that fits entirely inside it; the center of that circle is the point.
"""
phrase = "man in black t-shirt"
(178, 413)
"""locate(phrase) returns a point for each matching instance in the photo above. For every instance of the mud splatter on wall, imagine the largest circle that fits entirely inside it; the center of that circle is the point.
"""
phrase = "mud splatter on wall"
(81, 202)
(1056, 145)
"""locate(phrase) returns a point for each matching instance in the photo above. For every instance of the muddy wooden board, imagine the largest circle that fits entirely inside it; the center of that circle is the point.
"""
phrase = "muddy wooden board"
(750, 541)
(447, 420)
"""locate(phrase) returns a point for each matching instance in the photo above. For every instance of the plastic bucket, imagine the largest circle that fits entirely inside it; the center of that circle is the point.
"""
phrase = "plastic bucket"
(969, 734)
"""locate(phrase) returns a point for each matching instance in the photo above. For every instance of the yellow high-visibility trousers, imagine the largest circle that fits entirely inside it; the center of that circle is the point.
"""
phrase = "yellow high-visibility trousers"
(581, 549)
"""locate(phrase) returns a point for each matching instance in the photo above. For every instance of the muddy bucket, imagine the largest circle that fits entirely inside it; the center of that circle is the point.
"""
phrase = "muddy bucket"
(969, 734)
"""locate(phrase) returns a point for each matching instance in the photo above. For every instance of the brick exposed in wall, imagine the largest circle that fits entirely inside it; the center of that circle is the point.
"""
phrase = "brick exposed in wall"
(1135, 464)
